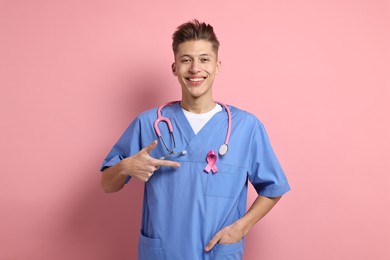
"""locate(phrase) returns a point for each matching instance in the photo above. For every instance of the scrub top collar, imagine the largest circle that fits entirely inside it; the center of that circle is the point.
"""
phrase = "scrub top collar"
(195, 144)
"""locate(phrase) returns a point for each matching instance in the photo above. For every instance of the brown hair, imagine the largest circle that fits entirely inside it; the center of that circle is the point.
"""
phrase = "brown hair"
(194, 30)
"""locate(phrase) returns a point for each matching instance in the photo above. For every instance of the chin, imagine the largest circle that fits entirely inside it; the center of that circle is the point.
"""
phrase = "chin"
(198, 94)
(195, 91)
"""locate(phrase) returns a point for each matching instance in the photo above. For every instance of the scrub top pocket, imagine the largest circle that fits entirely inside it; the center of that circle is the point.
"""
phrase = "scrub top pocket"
(150, 248)
(221, 184)
(233, 251)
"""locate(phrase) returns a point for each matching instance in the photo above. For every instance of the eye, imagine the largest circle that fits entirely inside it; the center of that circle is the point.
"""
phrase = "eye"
(204, 60)
(185, 60)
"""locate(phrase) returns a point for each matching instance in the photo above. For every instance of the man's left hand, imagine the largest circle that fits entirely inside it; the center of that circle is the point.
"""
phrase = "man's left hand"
(228, 235)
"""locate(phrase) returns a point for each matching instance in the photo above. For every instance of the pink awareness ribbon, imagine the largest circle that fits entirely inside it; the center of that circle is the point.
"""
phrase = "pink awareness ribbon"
(211, 162)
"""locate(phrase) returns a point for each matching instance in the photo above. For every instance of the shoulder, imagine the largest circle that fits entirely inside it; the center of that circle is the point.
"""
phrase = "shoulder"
(146, 116)
(148, 113)
(142, 119)
(245, 117)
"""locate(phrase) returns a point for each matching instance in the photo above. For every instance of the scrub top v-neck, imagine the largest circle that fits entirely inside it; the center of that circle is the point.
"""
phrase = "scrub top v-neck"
(216, 124)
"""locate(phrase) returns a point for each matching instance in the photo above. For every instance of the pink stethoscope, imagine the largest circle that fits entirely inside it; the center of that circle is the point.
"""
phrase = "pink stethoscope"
(211, 156)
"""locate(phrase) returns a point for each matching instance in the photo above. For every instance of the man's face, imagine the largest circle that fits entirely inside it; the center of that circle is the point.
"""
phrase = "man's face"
(195, 66)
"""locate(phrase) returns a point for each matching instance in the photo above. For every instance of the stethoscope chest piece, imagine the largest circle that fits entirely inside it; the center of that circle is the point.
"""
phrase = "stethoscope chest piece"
(223, 149)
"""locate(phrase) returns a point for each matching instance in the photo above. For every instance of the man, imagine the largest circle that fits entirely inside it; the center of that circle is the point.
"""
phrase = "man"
(195, 198)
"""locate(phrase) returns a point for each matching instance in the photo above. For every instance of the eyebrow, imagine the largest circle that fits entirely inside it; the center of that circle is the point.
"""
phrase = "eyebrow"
(201, 55)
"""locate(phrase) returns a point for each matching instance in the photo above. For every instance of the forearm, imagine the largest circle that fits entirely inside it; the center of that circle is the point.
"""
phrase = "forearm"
(113, 178)
(260, 207)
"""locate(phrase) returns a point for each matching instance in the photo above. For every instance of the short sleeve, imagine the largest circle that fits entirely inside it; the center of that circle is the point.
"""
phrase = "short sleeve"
(265, 171)
(127, 145)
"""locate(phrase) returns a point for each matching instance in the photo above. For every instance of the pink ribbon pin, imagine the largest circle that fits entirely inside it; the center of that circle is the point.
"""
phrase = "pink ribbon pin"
(211, 162)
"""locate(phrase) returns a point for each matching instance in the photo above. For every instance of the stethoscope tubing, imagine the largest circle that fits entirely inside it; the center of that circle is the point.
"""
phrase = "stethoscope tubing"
(161, 118)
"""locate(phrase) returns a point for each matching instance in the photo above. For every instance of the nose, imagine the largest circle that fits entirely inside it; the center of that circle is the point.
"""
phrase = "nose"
(194, 67)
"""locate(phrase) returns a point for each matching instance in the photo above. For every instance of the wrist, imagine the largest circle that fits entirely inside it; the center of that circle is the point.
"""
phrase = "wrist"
(244, 224)
(124, 166)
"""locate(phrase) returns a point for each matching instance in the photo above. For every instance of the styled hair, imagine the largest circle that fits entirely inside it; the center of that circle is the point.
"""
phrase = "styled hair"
(194, 30)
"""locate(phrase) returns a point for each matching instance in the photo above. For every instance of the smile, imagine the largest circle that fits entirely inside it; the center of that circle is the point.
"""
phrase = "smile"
(195, 81)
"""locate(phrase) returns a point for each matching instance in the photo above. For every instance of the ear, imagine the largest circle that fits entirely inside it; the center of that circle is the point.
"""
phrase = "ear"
(174, 69)
(219, 64)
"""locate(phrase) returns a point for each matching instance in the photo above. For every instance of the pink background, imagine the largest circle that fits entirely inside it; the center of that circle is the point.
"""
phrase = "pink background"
(73, 75)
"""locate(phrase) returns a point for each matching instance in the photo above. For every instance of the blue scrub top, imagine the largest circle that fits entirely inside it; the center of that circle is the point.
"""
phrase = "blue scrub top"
(185, 207)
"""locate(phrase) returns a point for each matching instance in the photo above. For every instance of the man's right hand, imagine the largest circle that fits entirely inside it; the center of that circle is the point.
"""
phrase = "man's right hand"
(142, 166)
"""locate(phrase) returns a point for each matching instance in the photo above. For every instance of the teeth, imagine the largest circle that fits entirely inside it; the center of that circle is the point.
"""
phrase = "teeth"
(196, 79)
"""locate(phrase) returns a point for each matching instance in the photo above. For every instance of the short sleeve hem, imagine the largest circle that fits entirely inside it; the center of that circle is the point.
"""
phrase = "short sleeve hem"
(114, 160)
(273, 192)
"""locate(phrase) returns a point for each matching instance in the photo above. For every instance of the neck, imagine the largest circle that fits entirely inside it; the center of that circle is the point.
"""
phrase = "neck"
(197, 106)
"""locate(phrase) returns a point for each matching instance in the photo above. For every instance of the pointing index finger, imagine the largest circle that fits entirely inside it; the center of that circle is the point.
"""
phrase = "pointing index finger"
(167, 163)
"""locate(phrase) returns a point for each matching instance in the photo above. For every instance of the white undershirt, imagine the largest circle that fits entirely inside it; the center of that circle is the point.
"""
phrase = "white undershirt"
(197, 121)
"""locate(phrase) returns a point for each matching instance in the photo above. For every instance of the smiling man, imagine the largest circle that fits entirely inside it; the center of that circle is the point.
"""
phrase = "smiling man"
(196, 177)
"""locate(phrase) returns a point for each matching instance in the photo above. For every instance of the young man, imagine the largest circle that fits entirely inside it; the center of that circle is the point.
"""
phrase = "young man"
(195, 198)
